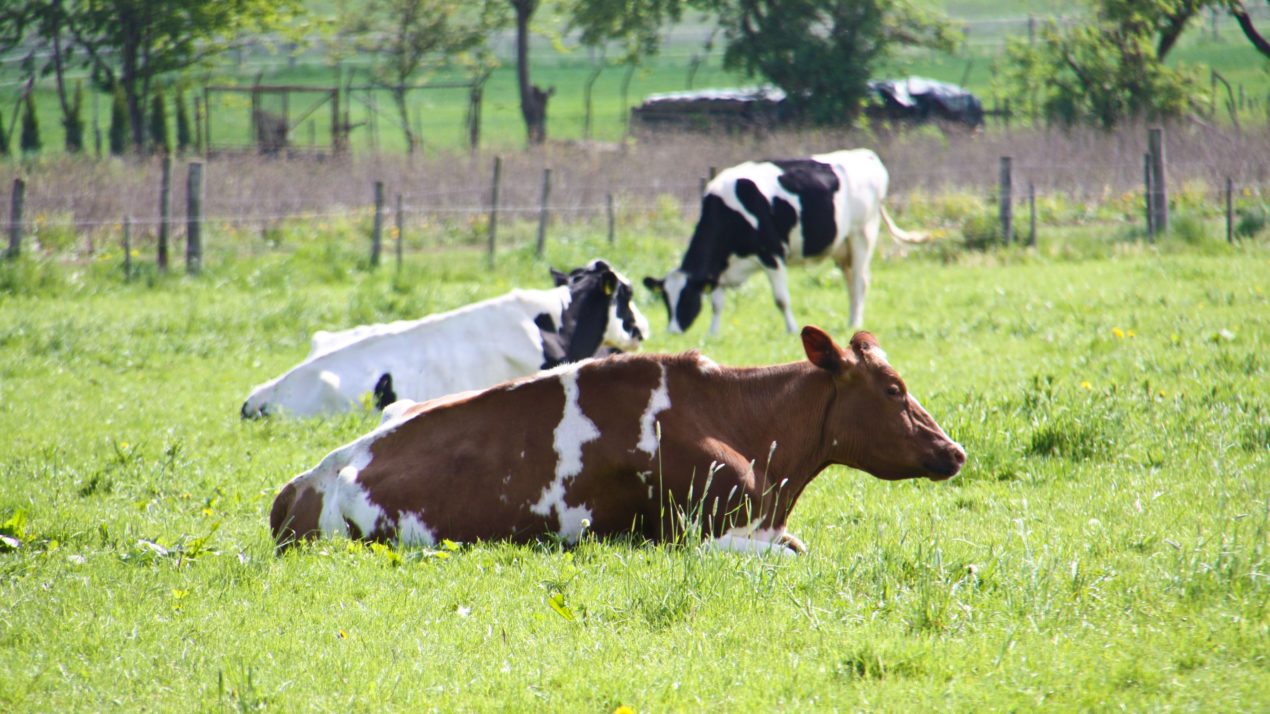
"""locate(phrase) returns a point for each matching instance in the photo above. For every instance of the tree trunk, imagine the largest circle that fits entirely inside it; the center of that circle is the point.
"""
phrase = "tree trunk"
(399, 98)
(128, 82)
(533, 99)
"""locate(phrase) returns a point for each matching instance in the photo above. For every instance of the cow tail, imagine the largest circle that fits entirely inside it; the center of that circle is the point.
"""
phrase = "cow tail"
(901, 235)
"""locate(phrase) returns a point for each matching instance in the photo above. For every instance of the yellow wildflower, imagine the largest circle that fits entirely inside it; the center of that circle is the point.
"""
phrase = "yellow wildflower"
(1119, 333)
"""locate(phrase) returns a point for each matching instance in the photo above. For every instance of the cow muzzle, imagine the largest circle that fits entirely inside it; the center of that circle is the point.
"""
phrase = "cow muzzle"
(947, 463)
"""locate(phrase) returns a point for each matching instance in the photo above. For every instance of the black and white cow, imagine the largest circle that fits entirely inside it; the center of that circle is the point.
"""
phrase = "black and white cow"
(589, 313)
(764, 215)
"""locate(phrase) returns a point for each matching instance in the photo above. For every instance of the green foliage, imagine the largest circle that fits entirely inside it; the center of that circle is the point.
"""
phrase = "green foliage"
(1251, 219)
(119, 125)
(30, 136)
(1103, 72)
(823, 53)
(73, 122)
(184, 133)
(160, 140)
(634, 26)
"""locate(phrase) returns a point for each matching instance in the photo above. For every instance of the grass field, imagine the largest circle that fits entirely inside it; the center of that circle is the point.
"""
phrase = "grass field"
(1105, 547)
(440, 114)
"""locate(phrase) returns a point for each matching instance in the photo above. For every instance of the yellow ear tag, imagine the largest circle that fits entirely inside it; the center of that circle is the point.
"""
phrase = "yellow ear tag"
(608, 291)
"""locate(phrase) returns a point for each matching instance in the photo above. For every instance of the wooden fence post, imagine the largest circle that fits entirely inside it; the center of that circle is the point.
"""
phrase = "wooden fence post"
(165, 214)
(127, 249)
(377, 228)
(608, 206)
(401, 231)
(1031, 207)
(1149, 196)
(493, 207)
(1230, 211)
(1159, 191)
(1005, 202)
(194, 219)
(543, 214)
(15, 217)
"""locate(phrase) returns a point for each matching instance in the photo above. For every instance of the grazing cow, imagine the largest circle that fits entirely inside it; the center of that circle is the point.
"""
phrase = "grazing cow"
(767, 214)
(628, 444)
(589, 313)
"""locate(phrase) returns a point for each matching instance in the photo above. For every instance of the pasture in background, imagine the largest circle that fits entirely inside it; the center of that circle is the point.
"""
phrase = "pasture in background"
(1105, 546)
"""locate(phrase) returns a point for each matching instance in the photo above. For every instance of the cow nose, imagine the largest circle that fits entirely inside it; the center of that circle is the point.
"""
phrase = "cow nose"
(250, 413)
(949, 463)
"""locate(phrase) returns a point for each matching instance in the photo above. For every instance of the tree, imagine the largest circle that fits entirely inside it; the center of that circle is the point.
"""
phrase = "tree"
(822, 53)
(160, 140)
(533, 99)
(129, 43)
(407, 35)
(30, 139)
(4, 138)
(1109, 69)
(119, 129)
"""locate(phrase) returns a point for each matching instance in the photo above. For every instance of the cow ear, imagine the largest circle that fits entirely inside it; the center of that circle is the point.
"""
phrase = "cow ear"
(610, 283)
(559, 277)
(823, 352)
(657, 286)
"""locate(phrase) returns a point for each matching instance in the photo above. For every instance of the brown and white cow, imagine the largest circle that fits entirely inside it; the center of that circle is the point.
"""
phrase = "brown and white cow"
(627, 444)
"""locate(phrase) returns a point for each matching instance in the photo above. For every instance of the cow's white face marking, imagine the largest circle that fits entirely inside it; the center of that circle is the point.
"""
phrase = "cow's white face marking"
(411, 530)
(573, 431)
(674, 286)
(658, 401)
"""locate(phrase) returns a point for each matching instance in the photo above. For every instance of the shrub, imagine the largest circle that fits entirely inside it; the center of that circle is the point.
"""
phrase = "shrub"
(1251, 220)
(1188, 226)
(981, 230)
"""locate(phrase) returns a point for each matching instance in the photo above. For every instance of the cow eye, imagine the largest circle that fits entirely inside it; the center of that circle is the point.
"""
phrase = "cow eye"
(893, 390)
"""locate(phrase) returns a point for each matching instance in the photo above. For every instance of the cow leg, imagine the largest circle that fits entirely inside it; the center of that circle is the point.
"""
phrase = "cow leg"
(716, 303)
(779, 278)
(862, 246)
(760, 542)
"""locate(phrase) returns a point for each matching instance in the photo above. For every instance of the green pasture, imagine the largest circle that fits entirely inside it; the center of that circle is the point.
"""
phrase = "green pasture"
(1105, 546)
(440, 114)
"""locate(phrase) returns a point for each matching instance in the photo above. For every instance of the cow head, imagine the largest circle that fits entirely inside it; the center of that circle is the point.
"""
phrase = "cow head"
(600, 314)
(681, 294)
(873, 424)
(307, 389)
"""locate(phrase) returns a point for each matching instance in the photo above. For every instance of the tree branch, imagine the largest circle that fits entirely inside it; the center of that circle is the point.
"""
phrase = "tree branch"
(1245, 24)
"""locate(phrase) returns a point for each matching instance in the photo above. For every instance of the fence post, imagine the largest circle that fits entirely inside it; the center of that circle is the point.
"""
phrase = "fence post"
(1159, 191)
(608, 205)
(165, 214)
(1148, 196)
(1005, 202)
(1031, 207)
(15, 217)
(543, 214)
(401, 231)
(493, 207)
(1230, 211)
(127, 249)
(377, 228)
(194, 219)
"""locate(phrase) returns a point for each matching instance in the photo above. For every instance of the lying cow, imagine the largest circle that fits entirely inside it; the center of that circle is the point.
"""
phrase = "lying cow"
(767, 214)
(624, 445)
(589, 313)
